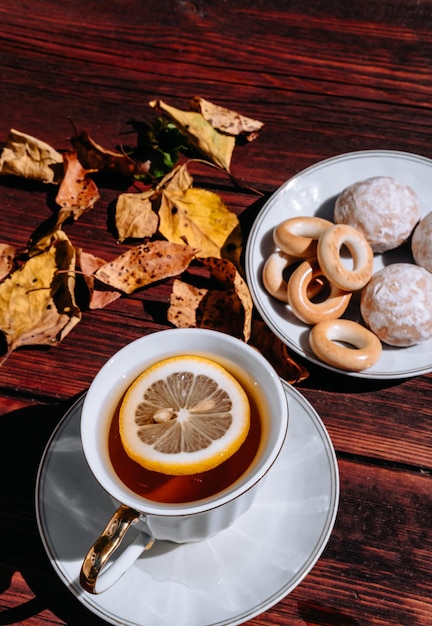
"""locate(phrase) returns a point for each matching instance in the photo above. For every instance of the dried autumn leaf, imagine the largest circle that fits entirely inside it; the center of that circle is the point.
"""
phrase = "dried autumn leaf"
(145, 264)
(185, 300)
(77, 192)
(93, 157)
(210, 142)
(178, 179)
(276, 353)
(7, 255)
(134, 216)
(224, 311)
(198, 217)
(99, 295)
(45, 236)
(37, 303)
(226, 273)
(225, 120)
(227, 308)
(29, 157)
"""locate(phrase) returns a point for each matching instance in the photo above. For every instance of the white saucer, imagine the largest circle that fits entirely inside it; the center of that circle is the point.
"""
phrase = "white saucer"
(228, 579)
(313, 192)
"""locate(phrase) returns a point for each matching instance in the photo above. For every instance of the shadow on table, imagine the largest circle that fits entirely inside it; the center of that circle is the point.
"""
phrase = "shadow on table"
(23, 436)
(317, 615)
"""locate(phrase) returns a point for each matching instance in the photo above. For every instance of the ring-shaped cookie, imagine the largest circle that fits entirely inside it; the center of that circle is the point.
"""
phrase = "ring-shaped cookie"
(273, 276)
(299, 235)
(329, 257)
(300, 300)
(324, 338)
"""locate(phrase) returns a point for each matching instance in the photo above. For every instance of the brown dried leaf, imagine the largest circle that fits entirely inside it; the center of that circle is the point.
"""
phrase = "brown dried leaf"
(145, 264)
(94, 157)
(30, 157)
(135, 217)
(99, 295)
(185, 300)
(77, 193)
(225, 272)
(276, 352)
(227, 308)
(224, 311)
(7, 255)
(225, 120)
(37, 302)
(210, 142)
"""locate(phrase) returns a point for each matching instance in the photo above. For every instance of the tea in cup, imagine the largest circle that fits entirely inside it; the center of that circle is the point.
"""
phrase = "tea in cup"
(189, 505)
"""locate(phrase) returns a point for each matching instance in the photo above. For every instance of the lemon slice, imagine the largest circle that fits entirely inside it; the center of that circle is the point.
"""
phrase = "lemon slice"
(184, 415)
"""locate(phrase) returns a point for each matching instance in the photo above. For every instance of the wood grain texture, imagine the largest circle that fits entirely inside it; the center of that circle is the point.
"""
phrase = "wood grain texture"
(326, 77)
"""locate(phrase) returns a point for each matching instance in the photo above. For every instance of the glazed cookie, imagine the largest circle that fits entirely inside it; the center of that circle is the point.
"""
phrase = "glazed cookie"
(383, 209)
(396, 304)
(421, 243)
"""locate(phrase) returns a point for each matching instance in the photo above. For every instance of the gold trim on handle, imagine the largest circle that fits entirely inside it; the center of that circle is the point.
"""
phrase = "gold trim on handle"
(106, 544)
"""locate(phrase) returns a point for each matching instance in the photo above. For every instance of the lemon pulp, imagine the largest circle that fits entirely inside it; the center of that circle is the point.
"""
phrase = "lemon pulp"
(184, 415)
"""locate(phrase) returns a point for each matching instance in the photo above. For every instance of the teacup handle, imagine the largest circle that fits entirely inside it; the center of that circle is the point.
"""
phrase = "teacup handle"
(91, 577)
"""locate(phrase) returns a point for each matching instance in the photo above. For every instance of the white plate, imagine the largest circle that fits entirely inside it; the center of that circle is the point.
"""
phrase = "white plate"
(313, 192)
(227, 579)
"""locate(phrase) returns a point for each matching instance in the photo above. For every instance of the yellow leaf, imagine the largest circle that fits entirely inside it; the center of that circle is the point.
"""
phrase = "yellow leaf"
(178, 179)
(145, 264)
(37, 303)
(200, 218)
(210, 142)
(135, 217)
(226, 120)
(32, 158)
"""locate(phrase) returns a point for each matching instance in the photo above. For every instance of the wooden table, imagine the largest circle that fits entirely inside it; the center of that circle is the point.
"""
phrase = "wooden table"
(325, 78)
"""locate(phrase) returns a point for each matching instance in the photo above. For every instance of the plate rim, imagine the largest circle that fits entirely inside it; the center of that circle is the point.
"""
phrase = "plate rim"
(90, 602)
(251, 280)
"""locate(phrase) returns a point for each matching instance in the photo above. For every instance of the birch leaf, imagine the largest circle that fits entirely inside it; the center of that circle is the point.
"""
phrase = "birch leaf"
(210, 142)
(225, 120)
(134, 216)
(77, 193)
(37, 303)
(29, 157)
(198, 217)
(145, 264)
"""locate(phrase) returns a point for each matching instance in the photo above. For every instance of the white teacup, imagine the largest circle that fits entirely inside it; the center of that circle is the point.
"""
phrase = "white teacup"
(183, 522)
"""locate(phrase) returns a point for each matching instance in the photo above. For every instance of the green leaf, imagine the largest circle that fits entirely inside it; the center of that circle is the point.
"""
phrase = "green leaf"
(159, 142)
